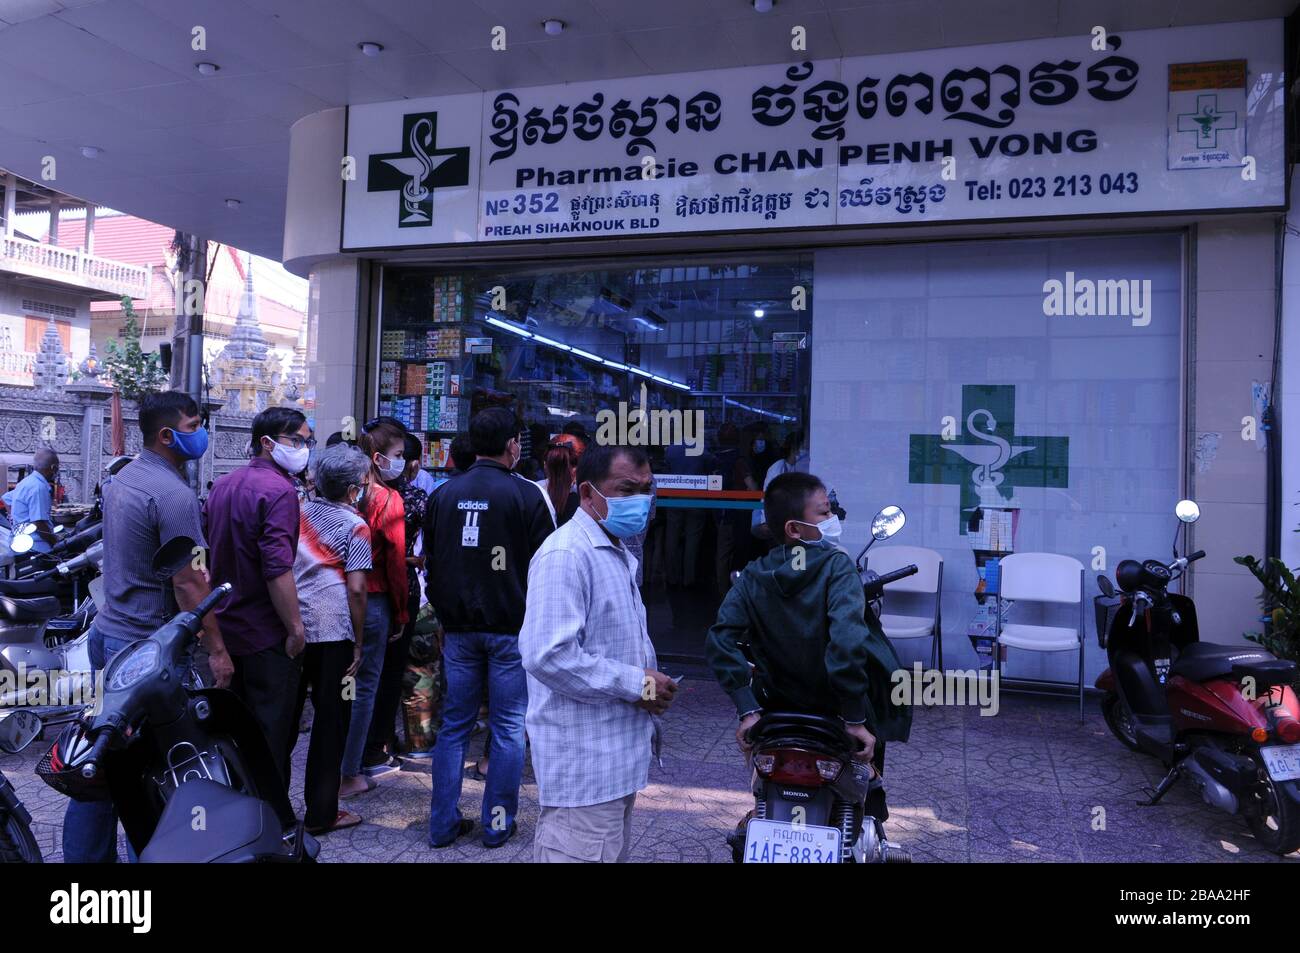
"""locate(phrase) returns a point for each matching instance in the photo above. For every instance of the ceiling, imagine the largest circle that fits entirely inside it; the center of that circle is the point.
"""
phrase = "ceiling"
(120, 74)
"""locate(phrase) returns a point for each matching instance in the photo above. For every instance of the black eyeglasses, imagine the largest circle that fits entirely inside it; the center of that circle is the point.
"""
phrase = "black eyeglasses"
(298, 442)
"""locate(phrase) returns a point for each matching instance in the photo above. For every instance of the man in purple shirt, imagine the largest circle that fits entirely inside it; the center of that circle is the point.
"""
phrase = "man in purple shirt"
(251, 522)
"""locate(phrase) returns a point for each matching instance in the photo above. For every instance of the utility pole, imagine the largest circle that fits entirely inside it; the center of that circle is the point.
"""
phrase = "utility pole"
(191, 294)
(187, 346)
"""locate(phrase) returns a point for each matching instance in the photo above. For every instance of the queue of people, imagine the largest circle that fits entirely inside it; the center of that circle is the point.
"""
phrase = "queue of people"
(536, 589)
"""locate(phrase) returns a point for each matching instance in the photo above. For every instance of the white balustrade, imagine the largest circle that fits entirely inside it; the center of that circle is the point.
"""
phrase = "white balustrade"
(65, 264)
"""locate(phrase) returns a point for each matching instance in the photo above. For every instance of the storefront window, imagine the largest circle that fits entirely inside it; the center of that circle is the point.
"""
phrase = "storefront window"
(714, 352)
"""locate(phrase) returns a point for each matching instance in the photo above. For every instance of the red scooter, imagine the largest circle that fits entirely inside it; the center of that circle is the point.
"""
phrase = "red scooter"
(1223, 716)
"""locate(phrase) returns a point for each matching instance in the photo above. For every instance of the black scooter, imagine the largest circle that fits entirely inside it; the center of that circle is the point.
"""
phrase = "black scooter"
(187, 768)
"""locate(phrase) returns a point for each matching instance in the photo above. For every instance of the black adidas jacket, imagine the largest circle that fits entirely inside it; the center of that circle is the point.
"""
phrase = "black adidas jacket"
(481, 528)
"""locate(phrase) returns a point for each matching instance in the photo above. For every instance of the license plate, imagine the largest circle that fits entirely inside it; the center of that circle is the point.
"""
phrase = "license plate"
(1282, 761)
(780, 842)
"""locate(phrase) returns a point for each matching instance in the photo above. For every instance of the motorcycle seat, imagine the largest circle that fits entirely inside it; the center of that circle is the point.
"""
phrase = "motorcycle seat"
(1266, 673)
(29, 588)
(787, 727)
(237, 828)
(28, 611)
(1202, 661)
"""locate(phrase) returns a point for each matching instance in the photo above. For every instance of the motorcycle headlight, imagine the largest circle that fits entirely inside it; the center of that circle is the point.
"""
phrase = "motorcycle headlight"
(132, 665)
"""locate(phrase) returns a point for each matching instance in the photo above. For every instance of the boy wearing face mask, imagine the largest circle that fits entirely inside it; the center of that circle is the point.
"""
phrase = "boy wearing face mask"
(801, 610)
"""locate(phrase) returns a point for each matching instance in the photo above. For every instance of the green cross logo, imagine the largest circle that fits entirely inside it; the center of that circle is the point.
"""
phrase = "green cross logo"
(418, 169)
(1207, 122)
(994, 460)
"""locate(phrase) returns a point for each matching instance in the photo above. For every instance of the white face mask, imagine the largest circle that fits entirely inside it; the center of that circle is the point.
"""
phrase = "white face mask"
(292, 460)
(393, 468)
(830, 528)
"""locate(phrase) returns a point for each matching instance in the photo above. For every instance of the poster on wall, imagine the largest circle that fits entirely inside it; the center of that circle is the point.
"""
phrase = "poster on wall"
(1147, 121)
(1207, 115)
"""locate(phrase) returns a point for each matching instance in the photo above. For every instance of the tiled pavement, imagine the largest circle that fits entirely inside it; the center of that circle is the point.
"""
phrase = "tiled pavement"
(1027, 785)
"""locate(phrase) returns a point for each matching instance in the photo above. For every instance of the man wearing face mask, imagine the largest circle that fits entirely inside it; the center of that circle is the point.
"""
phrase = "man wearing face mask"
(251, 519)
(801, 610)
(593, 678)
(480, 531)
(152, 528)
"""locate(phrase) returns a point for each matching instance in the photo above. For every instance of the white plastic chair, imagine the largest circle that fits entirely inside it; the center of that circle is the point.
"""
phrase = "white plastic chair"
(927, 581)
(1042, 577)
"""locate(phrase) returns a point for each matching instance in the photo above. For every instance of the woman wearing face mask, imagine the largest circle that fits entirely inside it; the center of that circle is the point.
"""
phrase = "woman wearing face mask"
(386, 609)
(382, 740)
(330, 569)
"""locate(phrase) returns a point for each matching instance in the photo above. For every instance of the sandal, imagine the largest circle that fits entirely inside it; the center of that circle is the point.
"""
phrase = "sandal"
(343, 820)
(371, 784)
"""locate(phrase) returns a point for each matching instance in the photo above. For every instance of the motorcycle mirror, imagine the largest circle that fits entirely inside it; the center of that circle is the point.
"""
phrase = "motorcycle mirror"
(22, 542)
(1107, 589)
(1187, 511)
(116, 464)
(18, 730)
(888, 522)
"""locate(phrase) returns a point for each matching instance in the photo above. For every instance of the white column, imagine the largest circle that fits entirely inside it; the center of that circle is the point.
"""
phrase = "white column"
(88, 246)
(54, 220)
(11, 197)
(1235, 314)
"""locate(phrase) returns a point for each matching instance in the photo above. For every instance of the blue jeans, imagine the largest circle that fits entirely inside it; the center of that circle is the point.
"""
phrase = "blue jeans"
(374, 643)
(90, 827)
(473, 661)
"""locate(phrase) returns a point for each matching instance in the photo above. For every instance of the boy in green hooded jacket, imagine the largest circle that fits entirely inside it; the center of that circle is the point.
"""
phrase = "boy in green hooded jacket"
(801, 610)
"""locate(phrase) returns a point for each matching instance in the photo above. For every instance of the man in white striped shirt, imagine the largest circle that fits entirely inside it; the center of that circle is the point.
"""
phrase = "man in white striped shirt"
(593, 684)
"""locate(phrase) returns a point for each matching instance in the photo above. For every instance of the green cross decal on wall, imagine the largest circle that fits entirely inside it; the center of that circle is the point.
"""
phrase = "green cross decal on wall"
(1207, 122)
(988, 452)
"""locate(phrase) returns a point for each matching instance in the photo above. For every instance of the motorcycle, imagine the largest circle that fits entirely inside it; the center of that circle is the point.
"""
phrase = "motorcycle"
(1224, 717)
(17, 543)
(30, 562)
(18, 729)
(186, 767)
(810, 792)
(45, 653)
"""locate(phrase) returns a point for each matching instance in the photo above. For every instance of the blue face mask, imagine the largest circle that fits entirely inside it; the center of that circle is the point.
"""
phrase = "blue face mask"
(626, 515)
(190, 446)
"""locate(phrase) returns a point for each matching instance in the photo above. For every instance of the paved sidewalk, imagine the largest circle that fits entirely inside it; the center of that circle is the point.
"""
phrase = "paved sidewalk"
(1026, 785)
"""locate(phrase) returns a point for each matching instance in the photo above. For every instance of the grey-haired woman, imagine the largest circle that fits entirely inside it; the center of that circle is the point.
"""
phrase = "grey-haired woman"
(330, 570)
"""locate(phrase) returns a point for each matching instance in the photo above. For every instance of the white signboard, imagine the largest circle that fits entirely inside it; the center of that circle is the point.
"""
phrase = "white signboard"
(703, 482)
(1152, 121)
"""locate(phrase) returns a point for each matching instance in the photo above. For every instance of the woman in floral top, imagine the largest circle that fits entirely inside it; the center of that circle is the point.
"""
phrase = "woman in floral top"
(381, 742)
